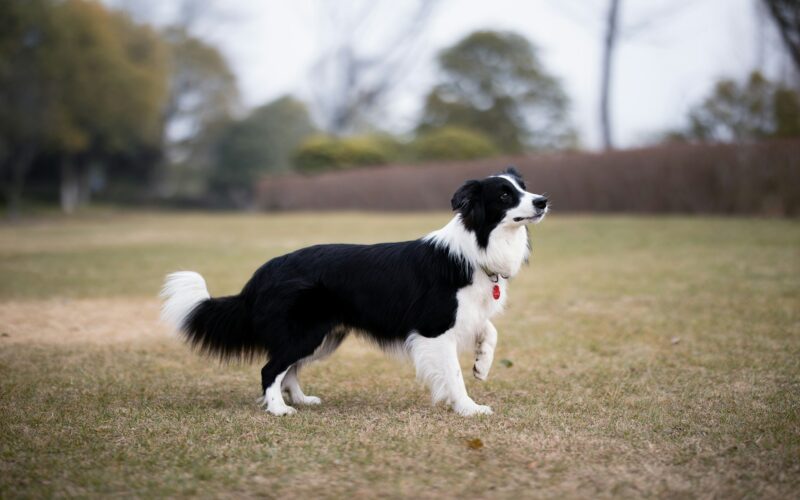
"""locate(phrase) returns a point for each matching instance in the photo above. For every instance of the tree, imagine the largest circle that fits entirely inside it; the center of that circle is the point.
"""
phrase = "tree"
(494, 83)
(746, 111)
(203, 94)
(80, 84)
(259, 144)
(605, 79)
(202, 91)
(26, 29)
(786, 15)
(351, 79)
(111, 86)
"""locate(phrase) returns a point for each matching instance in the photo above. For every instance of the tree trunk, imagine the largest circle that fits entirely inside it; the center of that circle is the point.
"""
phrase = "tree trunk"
(19, 165)
(84, 184)
(70, 186)
(605, 81)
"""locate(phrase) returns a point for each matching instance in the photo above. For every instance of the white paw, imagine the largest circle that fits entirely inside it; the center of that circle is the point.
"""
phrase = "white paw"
(480, 370)
(307, 400)
(472, 408)
(282, 410)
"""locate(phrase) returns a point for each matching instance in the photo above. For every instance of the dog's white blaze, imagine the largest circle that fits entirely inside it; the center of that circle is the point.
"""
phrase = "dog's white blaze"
(525, 206)
(182, 291)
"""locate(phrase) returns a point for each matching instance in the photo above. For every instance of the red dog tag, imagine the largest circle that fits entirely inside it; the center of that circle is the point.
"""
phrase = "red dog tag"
(496, 292)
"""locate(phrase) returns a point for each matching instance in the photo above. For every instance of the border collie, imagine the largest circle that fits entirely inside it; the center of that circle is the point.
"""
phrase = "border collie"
(428, 299)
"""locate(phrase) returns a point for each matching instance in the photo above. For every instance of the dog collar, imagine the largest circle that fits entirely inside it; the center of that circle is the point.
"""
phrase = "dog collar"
(495, 278)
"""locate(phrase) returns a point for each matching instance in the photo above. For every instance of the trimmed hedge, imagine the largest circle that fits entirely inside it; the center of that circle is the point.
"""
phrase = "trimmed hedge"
(761, 178)
(321, 153)
(453, 143)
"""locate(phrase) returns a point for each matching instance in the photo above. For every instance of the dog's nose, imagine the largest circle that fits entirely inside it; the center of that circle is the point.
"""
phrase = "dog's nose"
(540, 203)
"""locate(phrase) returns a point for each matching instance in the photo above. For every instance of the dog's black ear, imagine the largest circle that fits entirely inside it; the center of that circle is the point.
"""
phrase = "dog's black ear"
(467, 201)
(464, 197)
(514, 174)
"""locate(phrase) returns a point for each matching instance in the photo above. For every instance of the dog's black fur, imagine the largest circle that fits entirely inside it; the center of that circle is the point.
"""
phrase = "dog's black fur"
(293, 301)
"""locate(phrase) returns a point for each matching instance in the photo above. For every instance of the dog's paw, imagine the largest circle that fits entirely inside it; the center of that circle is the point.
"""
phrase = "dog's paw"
(480, 370)
(470, 409)
(307, 400)
(282, 410)
(483, 363)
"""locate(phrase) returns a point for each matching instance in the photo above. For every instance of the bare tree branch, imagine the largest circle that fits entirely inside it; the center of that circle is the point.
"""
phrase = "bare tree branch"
(348, 84)
(605, 79)
(786, 15)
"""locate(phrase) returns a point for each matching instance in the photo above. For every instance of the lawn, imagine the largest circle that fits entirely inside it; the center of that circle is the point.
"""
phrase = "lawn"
(641, 356)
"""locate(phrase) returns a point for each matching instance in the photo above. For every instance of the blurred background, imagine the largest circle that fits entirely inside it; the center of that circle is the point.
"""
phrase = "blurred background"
(686, 106)
(641, 355)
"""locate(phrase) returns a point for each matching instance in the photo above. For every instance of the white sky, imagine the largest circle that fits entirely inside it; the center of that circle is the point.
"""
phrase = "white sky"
(669, 56)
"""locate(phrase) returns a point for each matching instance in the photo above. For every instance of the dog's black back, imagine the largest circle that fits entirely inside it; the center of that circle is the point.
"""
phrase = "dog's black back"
(292, 302)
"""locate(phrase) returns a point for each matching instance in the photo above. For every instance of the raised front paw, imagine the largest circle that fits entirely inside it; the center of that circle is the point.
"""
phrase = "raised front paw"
(480, 370)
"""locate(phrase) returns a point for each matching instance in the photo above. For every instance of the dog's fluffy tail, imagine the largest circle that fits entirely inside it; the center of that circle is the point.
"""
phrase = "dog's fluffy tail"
(217, 326)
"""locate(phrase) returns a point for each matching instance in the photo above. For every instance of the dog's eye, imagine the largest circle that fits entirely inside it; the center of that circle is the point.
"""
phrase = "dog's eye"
(505, 197)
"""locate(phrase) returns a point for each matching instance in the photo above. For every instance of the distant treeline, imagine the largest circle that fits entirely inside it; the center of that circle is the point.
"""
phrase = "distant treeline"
(761, 178)
(96, 105)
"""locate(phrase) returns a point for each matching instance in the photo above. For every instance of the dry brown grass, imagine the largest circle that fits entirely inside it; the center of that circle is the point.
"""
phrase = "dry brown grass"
(651, 357)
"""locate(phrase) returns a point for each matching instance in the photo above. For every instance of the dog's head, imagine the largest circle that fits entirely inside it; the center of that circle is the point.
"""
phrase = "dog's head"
(497, 201)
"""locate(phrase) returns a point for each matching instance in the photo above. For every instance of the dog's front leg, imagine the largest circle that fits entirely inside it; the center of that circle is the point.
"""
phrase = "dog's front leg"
(436, 362)
(484, 351)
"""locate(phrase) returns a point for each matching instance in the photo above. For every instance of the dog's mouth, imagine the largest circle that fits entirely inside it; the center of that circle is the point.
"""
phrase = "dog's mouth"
(529, 219)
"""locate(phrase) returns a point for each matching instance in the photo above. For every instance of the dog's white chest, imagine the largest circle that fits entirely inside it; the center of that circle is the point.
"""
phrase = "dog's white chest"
(476, 305)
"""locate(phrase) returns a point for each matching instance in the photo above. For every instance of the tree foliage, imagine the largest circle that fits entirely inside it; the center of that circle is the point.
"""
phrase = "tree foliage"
(111, 90)
(26, 88)
(453, 143)
(494, 82)
(324, 152)
(744, 111)
(202, 89)
(95, 91)
(261, 143)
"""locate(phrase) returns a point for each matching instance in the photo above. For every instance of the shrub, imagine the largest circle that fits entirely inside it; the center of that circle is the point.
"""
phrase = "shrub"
(328, 153)
(453, 143)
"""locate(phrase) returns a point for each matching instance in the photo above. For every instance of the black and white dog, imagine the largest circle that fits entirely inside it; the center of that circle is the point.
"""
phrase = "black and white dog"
(429, 298)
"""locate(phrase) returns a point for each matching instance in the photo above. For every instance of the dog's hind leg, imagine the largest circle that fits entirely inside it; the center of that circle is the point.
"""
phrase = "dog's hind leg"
(298, 341)
(272, 376)
(436, 363)
(291, 383)
(484, 351)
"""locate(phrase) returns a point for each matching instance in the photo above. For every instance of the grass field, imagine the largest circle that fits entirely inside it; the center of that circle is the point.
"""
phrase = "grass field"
(643, 357)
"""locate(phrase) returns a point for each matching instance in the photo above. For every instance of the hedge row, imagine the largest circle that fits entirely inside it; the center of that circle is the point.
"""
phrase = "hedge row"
(759, 178)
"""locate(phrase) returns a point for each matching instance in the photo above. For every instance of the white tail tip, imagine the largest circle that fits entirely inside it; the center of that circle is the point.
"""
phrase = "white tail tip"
(182, 291)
